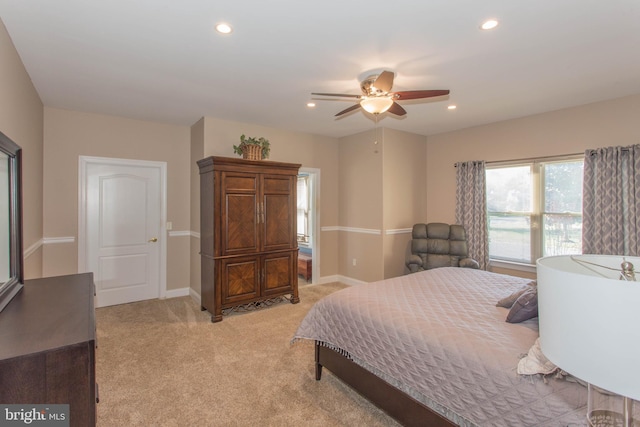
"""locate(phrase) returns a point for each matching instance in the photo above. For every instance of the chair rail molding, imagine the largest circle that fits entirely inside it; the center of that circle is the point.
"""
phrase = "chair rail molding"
(32, 249)
(398, 231)
(46, 241)
(56, 240)
(352, 229)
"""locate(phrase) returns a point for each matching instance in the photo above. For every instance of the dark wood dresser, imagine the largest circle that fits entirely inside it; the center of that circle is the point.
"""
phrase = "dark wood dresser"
(47, 346)
(248, 240)
(304, 266)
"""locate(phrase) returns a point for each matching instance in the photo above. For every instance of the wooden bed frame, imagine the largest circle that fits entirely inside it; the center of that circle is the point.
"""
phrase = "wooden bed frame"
(404, 408)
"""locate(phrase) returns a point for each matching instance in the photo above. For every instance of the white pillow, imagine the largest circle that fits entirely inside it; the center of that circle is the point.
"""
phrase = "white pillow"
(535, 362)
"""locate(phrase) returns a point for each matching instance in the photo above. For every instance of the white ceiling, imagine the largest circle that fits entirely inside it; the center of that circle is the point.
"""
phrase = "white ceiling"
(161, 60)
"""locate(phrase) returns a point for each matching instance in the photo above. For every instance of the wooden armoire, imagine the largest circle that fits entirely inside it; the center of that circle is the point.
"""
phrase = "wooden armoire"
(248, 244)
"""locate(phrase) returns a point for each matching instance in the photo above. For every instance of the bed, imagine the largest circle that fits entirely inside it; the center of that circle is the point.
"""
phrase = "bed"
(432, 348)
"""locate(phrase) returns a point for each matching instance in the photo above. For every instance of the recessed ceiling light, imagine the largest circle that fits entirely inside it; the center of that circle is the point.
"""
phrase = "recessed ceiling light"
(452, 107)
(311, 104)
(489, 24)
(224, 28)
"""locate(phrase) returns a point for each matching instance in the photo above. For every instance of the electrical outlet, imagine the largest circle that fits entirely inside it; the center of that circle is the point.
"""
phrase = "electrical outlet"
(354, 262)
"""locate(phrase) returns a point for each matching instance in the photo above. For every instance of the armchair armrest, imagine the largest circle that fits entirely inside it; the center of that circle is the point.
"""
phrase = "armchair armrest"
(469, 263)
(414, 263)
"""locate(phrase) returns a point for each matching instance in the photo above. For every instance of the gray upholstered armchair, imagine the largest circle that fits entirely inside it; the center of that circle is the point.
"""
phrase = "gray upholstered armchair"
(439, 245)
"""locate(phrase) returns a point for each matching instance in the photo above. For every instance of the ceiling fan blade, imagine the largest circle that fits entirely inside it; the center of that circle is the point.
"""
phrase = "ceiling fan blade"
(384, 82)
(397, 109)
(344, 95)
(353, 107)
(417, 94)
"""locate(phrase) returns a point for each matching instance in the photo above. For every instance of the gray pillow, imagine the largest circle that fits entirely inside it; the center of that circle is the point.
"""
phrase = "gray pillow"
(525, 307)
(508, 301)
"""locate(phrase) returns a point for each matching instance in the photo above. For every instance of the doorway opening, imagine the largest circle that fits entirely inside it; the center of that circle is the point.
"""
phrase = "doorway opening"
(308, 225)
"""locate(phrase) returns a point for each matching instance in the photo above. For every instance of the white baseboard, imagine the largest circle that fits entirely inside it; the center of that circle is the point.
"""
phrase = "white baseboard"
(175, 293)
(327, 279)
(195, 295)
(340, 278)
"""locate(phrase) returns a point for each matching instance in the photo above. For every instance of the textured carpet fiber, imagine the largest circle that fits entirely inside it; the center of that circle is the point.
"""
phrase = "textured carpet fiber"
(163, 363)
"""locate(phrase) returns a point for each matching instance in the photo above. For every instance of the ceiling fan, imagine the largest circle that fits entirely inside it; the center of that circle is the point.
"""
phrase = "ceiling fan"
(378, 98)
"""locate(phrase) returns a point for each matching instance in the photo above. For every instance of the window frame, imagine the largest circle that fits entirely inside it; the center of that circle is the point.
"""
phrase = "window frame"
(537, 207)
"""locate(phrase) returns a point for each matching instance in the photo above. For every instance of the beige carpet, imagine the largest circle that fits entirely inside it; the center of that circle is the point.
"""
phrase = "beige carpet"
(163, 363)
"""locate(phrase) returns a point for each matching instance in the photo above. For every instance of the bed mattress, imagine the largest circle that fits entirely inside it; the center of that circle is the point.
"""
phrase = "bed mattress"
(438, 336)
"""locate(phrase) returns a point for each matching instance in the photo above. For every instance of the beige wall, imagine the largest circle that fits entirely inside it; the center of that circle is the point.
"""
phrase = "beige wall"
(404, 195)
(382, 194)
(361, 205)
(567, 131)
(21, 115)
(70, 134)
(311, 151)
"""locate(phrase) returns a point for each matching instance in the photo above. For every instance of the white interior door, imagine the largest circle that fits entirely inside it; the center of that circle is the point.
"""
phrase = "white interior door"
(124, 233)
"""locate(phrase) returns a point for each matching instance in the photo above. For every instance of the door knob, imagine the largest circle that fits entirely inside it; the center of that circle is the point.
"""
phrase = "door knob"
(155, 239)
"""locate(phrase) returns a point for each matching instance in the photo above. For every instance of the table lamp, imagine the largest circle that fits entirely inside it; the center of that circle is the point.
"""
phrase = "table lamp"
(589, 316)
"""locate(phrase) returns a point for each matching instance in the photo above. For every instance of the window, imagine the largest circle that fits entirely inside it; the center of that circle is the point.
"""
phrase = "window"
(534, 209)
(303, 208)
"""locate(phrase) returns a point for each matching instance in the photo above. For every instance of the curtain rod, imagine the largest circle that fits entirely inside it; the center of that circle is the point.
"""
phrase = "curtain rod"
(593, 152)
(529, 159)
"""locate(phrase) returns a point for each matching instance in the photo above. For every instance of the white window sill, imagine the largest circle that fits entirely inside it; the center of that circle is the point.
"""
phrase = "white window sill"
(519, 266)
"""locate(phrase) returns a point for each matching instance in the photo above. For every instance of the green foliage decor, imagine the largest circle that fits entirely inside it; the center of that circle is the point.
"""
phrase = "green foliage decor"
(262, 142)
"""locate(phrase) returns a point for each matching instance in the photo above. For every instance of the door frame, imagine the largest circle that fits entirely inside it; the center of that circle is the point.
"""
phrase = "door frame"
(83, 164)
(314, 177)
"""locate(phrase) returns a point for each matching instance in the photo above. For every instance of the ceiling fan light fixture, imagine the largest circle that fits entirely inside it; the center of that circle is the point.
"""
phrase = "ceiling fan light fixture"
(224, 28)
(489, 24)
(376, 104)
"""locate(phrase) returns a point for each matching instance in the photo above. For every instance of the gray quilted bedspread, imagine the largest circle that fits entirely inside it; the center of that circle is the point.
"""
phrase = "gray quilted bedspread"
(439, 336)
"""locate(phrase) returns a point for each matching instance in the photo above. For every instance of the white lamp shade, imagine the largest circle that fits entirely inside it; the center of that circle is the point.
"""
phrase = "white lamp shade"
(376, 104)
(590, 324)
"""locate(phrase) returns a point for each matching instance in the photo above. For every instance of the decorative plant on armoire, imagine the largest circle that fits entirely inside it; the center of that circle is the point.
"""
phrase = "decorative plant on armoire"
(253, 148)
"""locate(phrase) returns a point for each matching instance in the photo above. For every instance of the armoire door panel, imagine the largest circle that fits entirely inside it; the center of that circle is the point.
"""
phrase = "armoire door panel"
(242, 278)
(240, 224)
(278, 233)
(278, 273)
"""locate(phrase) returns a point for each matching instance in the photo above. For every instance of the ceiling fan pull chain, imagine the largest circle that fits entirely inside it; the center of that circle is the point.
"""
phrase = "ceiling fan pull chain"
(375, 130)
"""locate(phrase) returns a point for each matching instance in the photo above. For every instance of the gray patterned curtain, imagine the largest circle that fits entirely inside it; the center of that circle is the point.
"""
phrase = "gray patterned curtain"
(611, 201)
(471, 209)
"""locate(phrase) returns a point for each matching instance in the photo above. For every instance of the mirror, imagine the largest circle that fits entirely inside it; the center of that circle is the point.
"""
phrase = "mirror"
(11, 268)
